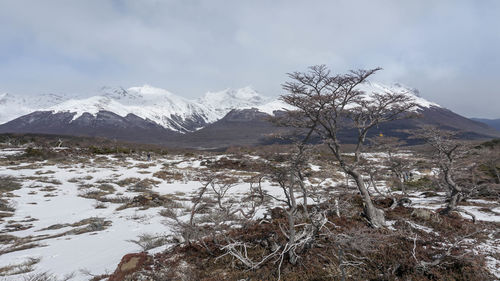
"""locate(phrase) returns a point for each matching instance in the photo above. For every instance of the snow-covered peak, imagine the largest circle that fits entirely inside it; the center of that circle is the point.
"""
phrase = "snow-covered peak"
(45, 100)
(90, 105)
(135, 94)
(272, 106)
(114, 92)
(414, 94)
(13, 106)
(155, 104)
(228, 99)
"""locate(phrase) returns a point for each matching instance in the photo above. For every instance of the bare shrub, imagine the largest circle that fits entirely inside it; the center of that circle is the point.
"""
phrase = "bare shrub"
(100, 205)
(149, 241)
(6, 206)
(24, 267)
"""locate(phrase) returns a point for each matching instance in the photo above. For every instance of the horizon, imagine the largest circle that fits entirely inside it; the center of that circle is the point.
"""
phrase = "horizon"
(445, 49)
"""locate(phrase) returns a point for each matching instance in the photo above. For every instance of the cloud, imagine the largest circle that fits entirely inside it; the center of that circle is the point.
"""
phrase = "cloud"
(189, 47)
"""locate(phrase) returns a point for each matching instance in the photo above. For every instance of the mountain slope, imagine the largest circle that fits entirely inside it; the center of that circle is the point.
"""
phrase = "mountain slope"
(494, 123)
(238, 127)
(103, 124)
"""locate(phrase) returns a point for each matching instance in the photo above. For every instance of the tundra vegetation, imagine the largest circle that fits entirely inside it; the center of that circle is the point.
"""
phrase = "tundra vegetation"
(316, 208)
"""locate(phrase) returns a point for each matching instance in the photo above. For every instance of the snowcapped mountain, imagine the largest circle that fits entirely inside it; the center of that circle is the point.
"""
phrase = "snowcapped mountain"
(218, 119)
(414, 94)
(224, 101)
(166, 109)
(13, 106)
(150, 103)
(163, 107)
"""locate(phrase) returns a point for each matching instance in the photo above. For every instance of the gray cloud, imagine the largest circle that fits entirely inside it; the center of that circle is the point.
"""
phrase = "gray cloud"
(447, 49)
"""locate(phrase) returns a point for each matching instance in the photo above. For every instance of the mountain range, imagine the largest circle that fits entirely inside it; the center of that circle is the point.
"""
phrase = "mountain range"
(494, 123)
(218, 119)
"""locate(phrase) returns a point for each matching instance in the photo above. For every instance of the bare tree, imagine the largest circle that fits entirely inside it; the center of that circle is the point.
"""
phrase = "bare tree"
(302, 225)
(213, 210)
(396, 163)
(291, 180)
(328, 103)
(449, 154)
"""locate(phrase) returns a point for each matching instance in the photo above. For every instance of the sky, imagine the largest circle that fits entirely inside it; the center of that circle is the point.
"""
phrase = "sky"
(448, 50)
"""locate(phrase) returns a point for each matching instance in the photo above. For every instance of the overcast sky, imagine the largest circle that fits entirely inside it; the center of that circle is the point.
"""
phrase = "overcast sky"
(449, 50)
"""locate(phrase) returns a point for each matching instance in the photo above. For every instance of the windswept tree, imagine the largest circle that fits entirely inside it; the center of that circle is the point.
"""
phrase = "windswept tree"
(453, 159)
(329, 103)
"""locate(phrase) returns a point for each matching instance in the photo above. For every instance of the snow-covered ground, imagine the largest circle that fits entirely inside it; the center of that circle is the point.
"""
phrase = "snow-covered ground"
(50, 196)
(10, 152)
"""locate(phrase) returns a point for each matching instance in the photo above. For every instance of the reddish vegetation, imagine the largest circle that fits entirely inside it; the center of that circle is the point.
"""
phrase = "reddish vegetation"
(383, 254)
(129, 264)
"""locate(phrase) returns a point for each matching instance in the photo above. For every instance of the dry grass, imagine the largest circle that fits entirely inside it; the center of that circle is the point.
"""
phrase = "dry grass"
(24, 267)
(32, 166)
(48, 188)
(169, 176)
(145, 165)
(44, 180)
(44, 172)
(107, 188)
(128, 181)
(8, 184)
(6, 206)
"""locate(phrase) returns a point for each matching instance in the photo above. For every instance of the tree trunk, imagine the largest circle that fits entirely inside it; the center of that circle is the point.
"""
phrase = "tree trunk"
(375, 216)
(403, 188)
(291, 219)
(456, 191)
(453, 202)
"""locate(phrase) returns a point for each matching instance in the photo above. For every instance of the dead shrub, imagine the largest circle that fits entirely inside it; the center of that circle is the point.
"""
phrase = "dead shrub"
(8, 184)
(149, 241)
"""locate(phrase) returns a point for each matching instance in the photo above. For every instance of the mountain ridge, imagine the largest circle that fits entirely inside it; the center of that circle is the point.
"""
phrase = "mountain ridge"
(167, 109)
(224, 118)
(494, 123)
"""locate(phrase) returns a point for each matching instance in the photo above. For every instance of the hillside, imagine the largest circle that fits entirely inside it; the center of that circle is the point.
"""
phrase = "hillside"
(494, 123)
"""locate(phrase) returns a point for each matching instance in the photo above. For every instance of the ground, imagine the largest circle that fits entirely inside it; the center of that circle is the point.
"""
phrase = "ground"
(75, 217)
